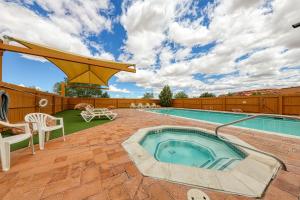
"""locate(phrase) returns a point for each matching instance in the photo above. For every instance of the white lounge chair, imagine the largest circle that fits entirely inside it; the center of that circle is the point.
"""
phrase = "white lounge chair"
(91, 108)
(147, 105)
(153, 105)
(236, 110)
(39, 124)
(132, 105)
(7, 141)
(89, 115)
(140, 105)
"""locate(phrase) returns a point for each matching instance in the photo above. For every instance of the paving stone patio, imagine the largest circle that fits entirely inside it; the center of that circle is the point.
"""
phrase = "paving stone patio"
(92, 164)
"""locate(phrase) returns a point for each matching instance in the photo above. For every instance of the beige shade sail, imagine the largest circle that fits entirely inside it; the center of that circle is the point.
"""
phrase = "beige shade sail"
(79, 69)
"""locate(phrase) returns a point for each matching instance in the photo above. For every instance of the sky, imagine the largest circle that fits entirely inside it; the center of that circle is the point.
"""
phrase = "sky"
(198, 46)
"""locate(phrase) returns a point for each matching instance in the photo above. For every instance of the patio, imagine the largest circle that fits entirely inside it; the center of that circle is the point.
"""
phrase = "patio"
(92, 164)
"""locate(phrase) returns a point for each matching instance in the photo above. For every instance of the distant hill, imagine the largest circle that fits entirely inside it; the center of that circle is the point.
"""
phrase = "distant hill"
(281, 91)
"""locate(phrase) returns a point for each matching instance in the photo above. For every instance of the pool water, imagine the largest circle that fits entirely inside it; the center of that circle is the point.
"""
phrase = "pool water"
(286, 126)
(176, 151)
(192, 148)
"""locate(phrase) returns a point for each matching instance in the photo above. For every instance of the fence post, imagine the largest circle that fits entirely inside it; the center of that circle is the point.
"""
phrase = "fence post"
(224, 103)
(261, 104)
(63, 89)
(1, 58)
(200, 103)
(280, 104)
(36, 106)
(53, 104)
(62, 104)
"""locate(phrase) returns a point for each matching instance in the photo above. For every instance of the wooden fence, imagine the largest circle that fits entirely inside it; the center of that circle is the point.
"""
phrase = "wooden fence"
(25, 100)
(285, 105)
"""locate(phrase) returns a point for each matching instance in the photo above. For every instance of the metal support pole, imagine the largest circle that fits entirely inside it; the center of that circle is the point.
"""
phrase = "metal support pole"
(1, 60)
(63, 89)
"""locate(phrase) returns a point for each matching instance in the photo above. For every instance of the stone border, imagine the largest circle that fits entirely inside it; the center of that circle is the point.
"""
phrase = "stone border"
(250, 177)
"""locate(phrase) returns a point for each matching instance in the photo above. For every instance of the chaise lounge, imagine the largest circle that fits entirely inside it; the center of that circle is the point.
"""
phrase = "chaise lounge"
(89, 114)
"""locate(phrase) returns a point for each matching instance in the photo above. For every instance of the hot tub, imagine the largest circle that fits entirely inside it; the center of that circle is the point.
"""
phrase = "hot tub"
(191, 148)
(196, 157)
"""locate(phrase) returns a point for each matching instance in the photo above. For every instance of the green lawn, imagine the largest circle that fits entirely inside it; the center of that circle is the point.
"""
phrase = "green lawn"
(72, 121)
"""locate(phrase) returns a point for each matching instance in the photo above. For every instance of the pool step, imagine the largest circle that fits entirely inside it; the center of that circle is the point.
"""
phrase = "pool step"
(230, 163)
(204, 164)
(218, 163)
(222, 163)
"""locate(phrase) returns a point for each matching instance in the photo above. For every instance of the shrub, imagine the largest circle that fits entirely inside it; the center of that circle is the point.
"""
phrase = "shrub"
(165, 96)
(207, 94)
(181, 95)
(148, 95)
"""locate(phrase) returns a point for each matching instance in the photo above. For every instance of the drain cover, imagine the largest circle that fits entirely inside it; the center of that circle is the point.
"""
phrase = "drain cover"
(194, 194)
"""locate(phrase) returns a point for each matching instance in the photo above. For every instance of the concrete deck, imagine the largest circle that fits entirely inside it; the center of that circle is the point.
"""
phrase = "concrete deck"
(92, 164)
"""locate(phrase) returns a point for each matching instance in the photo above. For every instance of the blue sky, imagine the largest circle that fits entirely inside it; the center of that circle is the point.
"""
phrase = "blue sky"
(194, 46)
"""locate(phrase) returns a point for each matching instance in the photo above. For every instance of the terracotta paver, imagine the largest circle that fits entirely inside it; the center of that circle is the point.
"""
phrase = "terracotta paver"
(92, 165)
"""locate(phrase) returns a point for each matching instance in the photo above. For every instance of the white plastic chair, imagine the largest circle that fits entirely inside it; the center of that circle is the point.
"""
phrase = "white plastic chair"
(39, 123)
(7, 141)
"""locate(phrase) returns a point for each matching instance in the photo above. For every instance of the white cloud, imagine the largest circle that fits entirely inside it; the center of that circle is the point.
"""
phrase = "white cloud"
(191, 35)
(101, 53)
(143, 77)
(146, 23)
(257, 31)
(105, 55)
(183, 53)
(114, 88)
(34, 87)
(65, 27)
(22, 85)
(36, 58)
(83, 15)
(166, 55)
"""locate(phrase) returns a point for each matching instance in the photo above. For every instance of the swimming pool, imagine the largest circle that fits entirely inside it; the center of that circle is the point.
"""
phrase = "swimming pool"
(284, 126)
(191, 148)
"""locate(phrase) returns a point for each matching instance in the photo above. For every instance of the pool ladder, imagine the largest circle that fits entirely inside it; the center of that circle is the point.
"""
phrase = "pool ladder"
(256, 150)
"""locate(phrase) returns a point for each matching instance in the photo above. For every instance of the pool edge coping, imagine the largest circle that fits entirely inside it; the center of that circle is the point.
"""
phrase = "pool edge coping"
(231, 126)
